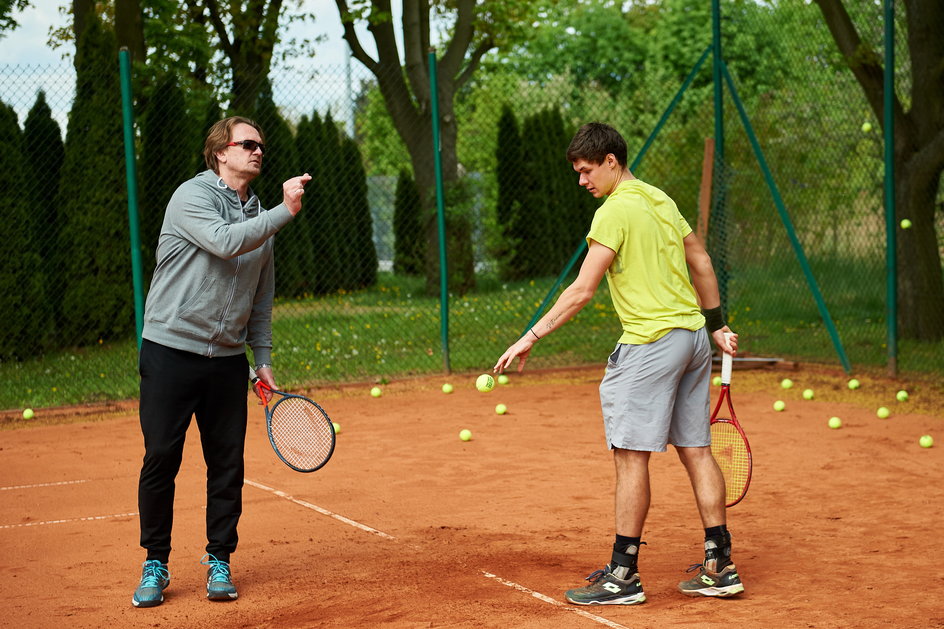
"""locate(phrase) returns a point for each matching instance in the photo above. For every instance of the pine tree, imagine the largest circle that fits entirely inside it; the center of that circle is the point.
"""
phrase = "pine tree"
(44, 153)
(409, 240)
(21, 278)
(167, 133)
(97, 299)
(510, 178)
(358, 223)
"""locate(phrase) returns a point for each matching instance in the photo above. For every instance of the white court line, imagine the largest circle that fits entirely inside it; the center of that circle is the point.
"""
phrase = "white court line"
(322, 511)
(548, 599)
(87, 519)
(65, 482)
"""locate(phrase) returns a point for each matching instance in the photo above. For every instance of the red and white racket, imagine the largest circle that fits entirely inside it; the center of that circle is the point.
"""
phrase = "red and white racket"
(729, 444)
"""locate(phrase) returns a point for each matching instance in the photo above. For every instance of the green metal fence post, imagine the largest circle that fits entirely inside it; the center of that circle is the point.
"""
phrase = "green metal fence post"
(787, 223)
(440, 214)
(891, 244)
(717, 221)
(131, 181)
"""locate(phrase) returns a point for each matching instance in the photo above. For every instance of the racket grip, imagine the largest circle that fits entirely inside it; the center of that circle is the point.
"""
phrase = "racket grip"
(727, 363)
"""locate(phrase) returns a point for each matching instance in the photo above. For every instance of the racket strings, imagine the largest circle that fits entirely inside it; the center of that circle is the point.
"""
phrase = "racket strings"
(733, 457)
(302, 433)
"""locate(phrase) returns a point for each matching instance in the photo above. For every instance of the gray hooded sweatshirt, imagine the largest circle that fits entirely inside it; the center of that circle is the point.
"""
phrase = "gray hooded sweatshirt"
(213, 286)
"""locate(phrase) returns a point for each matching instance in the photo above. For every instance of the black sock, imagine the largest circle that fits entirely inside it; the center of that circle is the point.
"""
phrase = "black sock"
(623, 543)
(716, 531)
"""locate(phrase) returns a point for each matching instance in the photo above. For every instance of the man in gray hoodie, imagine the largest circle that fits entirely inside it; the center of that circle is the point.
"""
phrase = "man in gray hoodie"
(210, 296)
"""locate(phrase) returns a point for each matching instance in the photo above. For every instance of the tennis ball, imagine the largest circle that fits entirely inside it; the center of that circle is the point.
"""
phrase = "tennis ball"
(835, 422)
(337, 427)
(376, 392)
(808, 394)
(502, 379)
(926, 441)
(485, 383)
(882, 412)
(28, 413)
(465, 434)
(866, 127)
(902, 396)
(905, 223)
(501, 409)
(786, 383)
(716, 381)
(447, 388)
(779, 405)
(853, 384)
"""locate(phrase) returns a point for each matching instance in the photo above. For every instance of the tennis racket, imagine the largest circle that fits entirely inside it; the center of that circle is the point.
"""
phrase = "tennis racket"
(729, 444)
(300, 432)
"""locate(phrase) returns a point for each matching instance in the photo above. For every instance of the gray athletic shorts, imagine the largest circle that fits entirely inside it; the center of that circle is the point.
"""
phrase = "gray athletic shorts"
(658, 393)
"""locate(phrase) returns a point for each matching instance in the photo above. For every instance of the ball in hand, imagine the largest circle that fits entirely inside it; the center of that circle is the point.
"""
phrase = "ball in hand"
(835, 422)
(779, 405)
(447, 388)
(501, 409)
(902, 396)
(465, 434)
(808, 394)
(926, 441)
(485, 383)
(882, 412)
(28, 414)
(376, 392)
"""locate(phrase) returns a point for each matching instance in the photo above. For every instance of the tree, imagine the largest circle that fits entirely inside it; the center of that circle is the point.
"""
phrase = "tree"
(476, 28)
(407, 227)
(96, 269)
(360, 252)
(918, 152)
(7, 7)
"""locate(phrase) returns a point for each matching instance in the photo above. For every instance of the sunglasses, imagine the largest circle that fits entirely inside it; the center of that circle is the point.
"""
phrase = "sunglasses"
(249, 145)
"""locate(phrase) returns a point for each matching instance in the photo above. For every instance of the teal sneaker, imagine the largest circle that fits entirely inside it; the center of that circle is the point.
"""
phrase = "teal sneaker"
(154, 580)
(707, 583)
(219, 580)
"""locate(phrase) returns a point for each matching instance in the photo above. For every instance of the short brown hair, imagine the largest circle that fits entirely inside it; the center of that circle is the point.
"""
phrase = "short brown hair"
(220, 134)
(594, 141)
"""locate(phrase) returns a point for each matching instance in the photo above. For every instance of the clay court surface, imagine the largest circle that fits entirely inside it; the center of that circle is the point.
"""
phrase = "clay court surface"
(408, 526)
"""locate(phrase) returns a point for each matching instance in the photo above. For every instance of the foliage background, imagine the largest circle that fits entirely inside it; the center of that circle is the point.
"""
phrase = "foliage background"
(352, 302)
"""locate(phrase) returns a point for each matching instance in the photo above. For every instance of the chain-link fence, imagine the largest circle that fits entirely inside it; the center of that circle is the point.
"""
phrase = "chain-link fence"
(357, 271)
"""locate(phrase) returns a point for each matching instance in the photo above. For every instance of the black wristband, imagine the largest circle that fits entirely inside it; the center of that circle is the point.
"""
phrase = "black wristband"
(535, 334)
(714, 319)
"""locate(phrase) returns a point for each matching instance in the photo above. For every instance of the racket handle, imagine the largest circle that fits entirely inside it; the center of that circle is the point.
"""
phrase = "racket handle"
(727, 362)
(253, 378)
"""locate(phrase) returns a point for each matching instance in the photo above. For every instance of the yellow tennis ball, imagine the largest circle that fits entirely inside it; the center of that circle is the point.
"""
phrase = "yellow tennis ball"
(501, 409)
(905, 223)
(485, 383)
(786, 383)
(28, 414)
(376, 392)
(882, 412)
(926, 441)
(502, 379)
(866, 127)
(808, 394)
(716, 381)
(465, 434)
(337, 427)
(447, 388)
(902, 396)
(779, 405)
(854, 384)
(835, 422)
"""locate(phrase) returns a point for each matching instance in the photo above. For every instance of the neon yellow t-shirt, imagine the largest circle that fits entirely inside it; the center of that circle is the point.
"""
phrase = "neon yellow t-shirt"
(649, 281)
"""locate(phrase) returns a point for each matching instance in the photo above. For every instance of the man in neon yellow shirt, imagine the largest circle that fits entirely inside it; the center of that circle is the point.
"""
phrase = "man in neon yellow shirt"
(656, 387)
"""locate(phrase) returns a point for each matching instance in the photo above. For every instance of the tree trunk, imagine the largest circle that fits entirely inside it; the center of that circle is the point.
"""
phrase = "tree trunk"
(129, 27)
(920, 285)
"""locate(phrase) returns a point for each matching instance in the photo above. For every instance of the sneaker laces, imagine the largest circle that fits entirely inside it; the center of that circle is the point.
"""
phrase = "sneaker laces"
(219, 570)
(154, 574)
(595, 576)
(695, 566)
